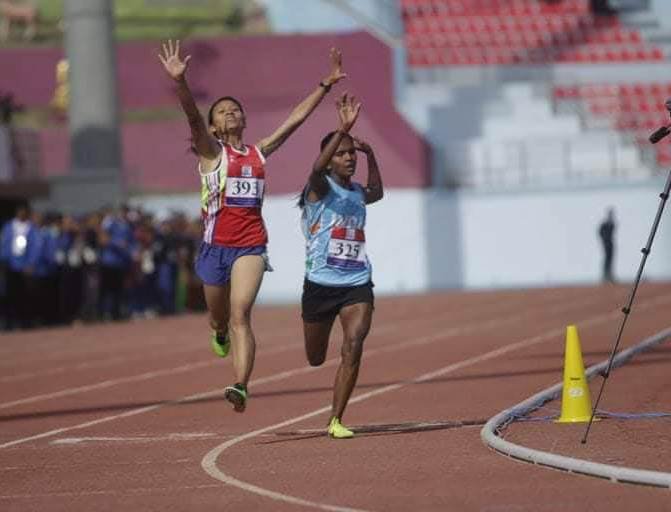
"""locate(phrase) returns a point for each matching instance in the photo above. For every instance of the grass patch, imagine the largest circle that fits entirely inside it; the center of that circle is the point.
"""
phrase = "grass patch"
(36, 118)
(152, 19)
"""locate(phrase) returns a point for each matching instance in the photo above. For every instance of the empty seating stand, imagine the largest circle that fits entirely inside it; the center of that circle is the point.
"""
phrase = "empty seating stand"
(485, 32)
(633, 108)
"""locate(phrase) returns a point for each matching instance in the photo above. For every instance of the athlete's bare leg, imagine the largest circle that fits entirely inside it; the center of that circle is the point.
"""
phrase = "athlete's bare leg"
(246, 277)
(355, 321)
(316, 335)
(217, 299)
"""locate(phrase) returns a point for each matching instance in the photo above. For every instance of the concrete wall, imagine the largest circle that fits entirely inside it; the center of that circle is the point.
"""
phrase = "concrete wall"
(269, 74)
(542, 238)
(328, 15)
(316, 16)
(662, 9)
(395, 242)
(429, 239)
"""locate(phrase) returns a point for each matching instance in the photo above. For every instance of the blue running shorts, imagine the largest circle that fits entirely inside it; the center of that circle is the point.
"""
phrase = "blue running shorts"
(214, 262)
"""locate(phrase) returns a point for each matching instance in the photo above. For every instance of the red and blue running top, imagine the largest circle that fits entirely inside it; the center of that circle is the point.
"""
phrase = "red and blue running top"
(232, 197)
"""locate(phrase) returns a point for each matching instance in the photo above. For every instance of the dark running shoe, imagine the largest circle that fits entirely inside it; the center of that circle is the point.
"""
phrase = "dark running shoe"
(237, 395)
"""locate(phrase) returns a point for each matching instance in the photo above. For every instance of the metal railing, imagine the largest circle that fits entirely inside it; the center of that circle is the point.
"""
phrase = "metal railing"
(554, 162)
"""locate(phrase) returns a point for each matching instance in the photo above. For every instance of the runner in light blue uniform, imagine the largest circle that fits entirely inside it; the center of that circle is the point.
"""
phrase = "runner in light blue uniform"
(335, 241)
(338, 273)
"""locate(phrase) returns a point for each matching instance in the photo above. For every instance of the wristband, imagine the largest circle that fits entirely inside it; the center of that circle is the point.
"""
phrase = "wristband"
(327, 87)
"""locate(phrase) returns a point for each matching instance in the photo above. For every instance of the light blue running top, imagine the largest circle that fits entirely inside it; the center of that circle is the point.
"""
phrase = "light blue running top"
(335, 242)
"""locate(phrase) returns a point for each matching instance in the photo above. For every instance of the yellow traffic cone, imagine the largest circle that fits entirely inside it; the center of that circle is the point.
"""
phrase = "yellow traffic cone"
(576, 406)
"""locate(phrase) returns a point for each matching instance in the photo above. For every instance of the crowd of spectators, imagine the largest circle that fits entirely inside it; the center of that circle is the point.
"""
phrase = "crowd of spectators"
(113, 264)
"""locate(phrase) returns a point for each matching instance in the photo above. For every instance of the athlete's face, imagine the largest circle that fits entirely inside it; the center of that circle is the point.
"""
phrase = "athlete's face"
(343, 161)
(227, 117)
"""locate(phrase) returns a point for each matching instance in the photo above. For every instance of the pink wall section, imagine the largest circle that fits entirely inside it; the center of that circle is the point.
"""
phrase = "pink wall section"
(269, 74)
(29, 74)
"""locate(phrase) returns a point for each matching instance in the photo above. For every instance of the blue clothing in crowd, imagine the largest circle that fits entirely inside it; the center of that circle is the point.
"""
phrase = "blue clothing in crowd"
(17, 242)
(42, 253)
(117, 252)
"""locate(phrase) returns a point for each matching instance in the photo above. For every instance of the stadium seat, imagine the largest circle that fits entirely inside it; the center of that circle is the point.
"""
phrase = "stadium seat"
(636, 108)
(536, 31)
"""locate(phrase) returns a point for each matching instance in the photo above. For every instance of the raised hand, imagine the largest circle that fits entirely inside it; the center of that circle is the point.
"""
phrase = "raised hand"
(336, 73)
(348, 111)
(362, 146)
(172, 62)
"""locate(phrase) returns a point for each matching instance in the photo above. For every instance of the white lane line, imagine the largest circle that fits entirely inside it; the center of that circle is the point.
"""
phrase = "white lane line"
(98, 356)
(283, 375)
(40, 465)
(180, 369)
(200, 396)
(209, 461)
(134, 439)
(133, 378)
(283, 333)
(87, 424)
(108, 383)
(106, 356)
(109, 360)
(163, 491)
(145, 376)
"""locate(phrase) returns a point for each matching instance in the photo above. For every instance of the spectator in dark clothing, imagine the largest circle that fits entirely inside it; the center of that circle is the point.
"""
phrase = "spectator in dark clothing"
(607, 236)
(167, 247)
(116, 246)
(17, 240)
(57, 269)
(90, 227)
(43, 281)
(144, 292)
(72, 257)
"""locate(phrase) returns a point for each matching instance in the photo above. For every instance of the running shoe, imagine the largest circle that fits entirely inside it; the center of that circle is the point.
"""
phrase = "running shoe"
(221, 343)
(337, 430)
(237, 395)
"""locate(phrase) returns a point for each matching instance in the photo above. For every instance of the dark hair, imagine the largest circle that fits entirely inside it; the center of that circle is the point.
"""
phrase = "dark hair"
(327, 138)
(300, 202)
(210, 115)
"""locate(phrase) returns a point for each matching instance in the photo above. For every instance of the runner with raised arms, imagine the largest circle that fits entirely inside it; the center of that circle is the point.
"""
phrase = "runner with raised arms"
(337, 269)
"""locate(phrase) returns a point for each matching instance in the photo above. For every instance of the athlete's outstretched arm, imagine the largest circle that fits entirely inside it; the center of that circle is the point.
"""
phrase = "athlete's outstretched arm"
(348, 112)
(374, 190)
(203, 142)
(304, 108)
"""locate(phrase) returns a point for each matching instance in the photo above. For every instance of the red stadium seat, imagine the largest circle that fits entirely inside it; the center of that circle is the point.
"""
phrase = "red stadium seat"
(550, 31)
(636, 108)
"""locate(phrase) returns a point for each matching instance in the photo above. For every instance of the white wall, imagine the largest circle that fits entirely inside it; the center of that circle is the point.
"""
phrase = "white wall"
(662, 9)
(314, 17)
(550, 238)
(330, 15)
(395, 241)
(427, 239)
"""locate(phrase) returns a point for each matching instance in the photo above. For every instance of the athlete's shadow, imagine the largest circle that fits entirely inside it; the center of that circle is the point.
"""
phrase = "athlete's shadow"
(377, 430)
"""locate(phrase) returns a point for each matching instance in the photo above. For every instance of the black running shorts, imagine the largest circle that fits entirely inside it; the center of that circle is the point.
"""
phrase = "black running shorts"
(321, 303)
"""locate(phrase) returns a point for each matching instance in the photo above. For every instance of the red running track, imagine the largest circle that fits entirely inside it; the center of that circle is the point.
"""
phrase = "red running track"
(130, 416)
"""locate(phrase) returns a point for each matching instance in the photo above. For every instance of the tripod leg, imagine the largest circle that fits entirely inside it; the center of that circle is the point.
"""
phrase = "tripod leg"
(627, 309)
